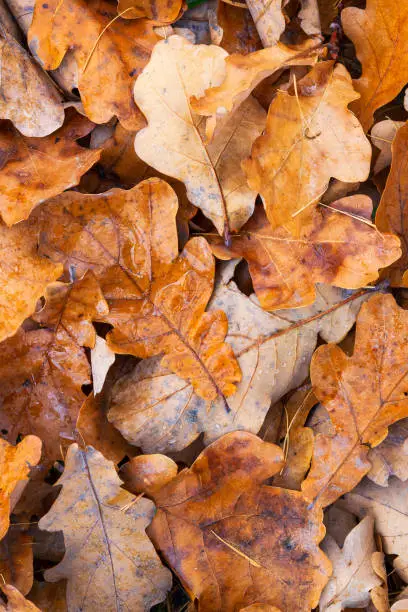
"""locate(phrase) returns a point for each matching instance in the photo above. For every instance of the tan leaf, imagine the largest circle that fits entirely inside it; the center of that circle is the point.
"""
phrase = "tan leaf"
(379, 594)
(16, 559)
(174, 141)
(158, 411)
(101, 535)
(15, 463)
(16, 602)
(364, 394)
(388, 506)
(43, 369)
(269, 20)
(380, 35)
(82, 27)
(234, 541)
(157, 297)
(392, 213)
(382, 135)
(37, 169)
(102, 357)
(157, 10)
(309, 16)
(24, 277)
(390, 458)
(310, 137)
(336, 245)
(353, 575)
(148, 473)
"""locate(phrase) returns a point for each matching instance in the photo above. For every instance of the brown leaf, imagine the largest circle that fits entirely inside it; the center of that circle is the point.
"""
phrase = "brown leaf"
(16, 560)
(364, 394)
(157, 10)
(239, 34)
(148, 473)
(37, 169)
(379, 594)
(380, 35)
(388, 506)
(353, 574)
(157, 298)
(43, 369)
(158, 411)
(212, 171)
(234, 541)
(269, 19)
(24, 277)
(15, 463)
(79, 25)
(48, 596)
(335, 245)
(390, 458)
(103, 531)
(392, 213)
(310, 137)
(16, 602)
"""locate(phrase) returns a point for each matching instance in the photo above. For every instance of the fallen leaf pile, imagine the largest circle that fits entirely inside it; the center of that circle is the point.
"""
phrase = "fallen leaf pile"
(203, 305)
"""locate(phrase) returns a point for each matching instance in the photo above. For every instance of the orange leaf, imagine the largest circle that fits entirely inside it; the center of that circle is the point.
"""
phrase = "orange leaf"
(159, 11)
(16, 559)
(364, 394)
(16, 602)
(234, 541)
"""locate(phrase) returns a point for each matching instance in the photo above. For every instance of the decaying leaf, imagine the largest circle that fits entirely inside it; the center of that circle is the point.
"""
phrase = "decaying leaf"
(15, 463)
(158, 411)
(157, 298)
(16, 559)
(335, 245)
(43, 369)
(79, 26)
(390, 458)
(157, 10)
(380, 35)
(104, 531)
(269, 19)
(235, 542)
(388, 506)
(16, 602)
(364, 394)
(310, 137)
(353, 574)
(392, 213)
(36, 169)
(24, 277)
(174, 140)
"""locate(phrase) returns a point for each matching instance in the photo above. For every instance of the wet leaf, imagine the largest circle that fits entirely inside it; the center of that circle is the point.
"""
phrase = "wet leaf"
(363, 394)
(105, 530)
(234, 541)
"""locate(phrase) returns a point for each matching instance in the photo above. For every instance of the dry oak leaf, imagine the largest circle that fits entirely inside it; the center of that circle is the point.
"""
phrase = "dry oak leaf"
(79, 26)
(174, 141)
(49, 596)
(148, 473)
(159, 11)
(380, 36)
(234, 541)
(16, 602)
(42, 370)
(15, 463)
(35, 169)
(157, 297)
(16, 559)
(24, 277)
(392, 213)
(363, 394)
(158, 411)
(310, 137)
(353, 574)
(269, 19)
(109, 562)
(239, 34)
(102, 357)
(382, 136)
(344, 250)
(389, 508)
(28, 96)
(390, 458)
(242, 74)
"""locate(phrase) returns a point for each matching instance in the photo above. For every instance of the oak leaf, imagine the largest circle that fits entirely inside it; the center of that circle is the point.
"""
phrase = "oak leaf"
(15, 463)
(269, 19)
(24, 277)
(380, 35)
(79, 26)
(43, 368)
(239, 34)
(49, 596)
(390, 458)
(16, 602)
(336, 245)
(16, 559)
(174, 141)
(105, 531)
(158, 411)
(353, 574)
(148, 473)
(310, 137)
(102, 357)
(363, 394)
(388, 506)
(234, 541)
(37, 169)
(157, 10)
(392, 213)
(382, 136)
